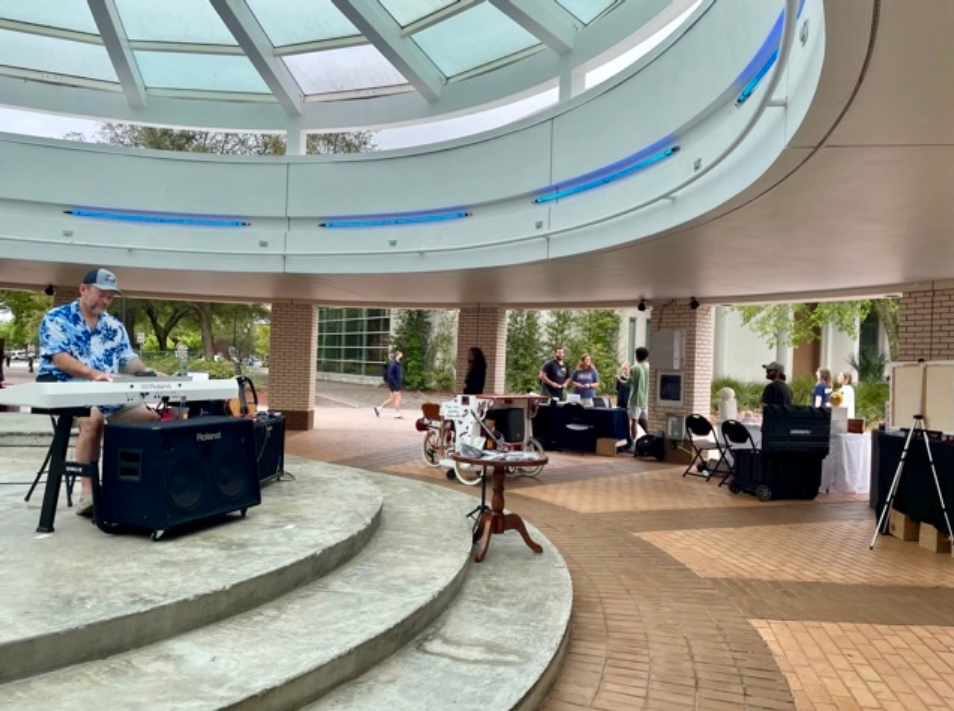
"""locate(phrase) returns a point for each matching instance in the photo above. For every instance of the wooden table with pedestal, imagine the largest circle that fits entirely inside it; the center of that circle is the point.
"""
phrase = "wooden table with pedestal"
(493, 520)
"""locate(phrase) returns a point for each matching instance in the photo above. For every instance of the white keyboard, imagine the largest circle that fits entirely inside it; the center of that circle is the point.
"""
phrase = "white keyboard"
(88, 393)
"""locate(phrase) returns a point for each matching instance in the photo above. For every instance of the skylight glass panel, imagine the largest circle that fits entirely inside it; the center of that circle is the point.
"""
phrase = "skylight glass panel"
(407, 12)
(55, 56)
(586, 10)
(474, 37)
(62, 14)
(346, 69)
(181, 21)
(200, 72)
(298, 21)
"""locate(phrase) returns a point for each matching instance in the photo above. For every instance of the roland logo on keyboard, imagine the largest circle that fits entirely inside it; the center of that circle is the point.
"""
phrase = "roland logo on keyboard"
(207, 436)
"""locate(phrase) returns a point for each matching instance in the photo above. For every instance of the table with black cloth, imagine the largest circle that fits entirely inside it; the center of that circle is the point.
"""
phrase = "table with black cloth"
(550, 423)
(916, 495)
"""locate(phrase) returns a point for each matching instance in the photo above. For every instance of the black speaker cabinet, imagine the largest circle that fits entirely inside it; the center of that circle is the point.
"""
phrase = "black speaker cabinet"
(164, 474)
(270, 445)
(509, 422)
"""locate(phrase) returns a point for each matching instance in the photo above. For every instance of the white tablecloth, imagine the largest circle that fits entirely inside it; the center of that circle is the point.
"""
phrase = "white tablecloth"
(847, 468)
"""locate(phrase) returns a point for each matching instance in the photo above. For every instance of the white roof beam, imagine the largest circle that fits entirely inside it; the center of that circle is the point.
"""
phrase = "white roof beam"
(120, 54)
(548, 22)
(258, 48)
(383, 31)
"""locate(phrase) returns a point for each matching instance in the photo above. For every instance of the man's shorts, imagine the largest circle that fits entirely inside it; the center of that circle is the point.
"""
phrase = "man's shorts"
(638, 413)
(125, 413)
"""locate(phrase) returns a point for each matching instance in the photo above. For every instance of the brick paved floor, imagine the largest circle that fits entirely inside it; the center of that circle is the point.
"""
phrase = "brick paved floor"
(689, 597)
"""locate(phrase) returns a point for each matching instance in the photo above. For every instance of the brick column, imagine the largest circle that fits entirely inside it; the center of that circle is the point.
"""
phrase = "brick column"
(293, 351)
(926, 322)
(485, 328)
(697, 363)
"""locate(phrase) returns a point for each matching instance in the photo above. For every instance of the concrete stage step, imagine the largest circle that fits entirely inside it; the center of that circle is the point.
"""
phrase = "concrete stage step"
(80, 594)
(409, 621)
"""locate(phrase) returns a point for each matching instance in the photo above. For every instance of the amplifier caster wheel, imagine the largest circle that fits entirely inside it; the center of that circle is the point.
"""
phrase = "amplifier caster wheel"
(763, 492)
(734, 488)
(156, 535)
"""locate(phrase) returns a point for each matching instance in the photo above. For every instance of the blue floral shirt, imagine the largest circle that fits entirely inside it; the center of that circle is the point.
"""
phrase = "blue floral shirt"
(105, 348)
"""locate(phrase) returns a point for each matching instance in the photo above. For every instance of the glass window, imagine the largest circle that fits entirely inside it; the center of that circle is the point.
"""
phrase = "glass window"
(56, 56)
(474, 37)
(869, 340)
(65, 14)
(586, 10)
(407, 12)
(173, 21)
(347, 69)
(297, 21)
(200, 72)
(345, 344)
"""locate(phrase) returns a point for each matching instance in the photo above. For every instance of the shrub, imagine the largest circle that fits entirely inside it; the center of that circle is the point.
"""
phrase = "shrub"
(802, 388)
(869, 402)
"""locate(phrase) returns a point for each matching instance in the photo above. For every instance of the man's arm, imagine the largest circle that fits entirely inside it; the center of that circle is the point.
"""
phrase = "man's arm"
(135, 366)
(70, 365)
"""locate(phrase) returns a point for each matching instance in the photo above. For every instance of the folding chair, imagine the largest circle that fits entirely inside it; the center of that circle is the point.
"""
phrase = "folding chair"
(698, 430)
(737, 437)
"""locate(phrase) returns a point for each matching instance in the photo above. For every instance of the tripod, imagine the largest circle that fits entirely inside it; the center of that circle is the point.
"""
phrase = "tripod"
(916, 427)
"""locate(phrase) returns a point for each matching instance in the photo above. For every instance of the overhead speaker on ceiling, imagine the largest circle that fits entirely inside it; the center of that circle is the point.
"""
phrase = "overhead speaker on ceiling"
(161, 475)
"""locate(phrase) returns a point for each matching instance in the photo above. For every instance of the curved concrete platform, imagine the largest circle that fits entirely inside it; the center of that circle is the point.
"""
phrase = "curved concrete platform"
(497, 647)
(80, 594)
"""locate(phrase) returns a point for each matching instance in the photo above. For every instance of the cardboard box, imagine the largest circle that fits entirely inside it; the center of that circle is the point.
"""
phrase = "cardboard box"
(606, 447)
(902, 527)
(933, 540)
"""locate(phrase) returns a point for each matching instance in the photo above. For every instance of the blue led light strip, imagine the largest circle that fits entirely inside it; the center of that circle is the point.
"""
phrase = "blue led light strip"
(399, 219)
(608, 178)
(157, 219)
(754, 82)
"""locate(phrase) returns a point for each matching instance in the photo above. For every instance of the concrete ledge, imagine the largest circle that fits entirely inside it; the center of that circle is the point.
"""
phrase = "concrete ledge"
(80, 594)
(289, 652)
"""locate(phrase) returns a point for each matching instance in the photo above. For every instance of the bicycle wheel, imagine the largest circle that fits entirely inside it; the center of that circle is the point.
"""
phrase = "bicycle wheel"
(537, 448)
(469, 474)
(431, 448)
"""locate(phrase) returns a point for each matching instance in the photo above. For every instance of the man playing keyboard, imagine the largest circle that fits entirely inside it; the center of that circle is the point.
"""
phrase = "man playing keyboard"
(81, 341)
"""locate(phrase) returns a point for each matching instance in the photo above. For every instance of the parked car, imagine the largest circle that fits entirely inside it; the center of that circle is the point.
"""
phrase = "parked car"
(255, 361)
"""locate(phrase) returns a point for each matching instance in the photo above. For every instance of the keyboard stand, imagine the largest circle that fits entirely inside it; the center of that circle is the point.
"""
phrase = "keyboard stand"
(59, 467)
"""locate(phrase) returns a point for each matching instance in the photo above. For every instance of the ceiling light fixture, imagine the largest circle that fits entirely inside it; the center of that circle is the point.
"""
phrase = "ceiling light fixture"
(641, 306)
(693, 303)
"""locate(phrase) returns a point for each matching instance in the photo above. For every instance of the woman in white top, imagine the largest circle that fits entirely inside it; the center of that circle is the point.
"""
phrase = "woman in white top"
(847, 393)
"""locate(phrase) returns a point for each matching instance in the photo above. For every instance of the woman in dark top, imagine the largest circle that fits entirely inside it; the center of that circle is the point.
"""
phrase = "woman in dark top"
(476, 372)
(822, 389)
(622, 385)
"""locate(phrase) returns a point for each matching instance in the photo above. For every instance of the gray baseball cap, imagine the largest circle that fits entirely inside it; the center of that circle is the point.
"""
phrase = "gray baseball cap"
(774, 365)
(102, 279)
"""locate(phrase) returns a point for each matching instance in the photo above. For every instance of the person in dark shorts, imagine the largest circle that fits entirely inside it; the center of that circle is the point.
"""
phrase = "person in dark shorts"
(394, 377)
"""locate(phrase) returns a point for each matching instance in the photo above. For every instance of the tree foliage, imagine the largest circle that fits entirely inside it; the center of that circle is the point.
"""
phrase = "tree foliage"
(525, 351)
(412, 336)
(599, 336)
(443, 375)
(795, 324)
(560, 332)
(224, 143)
(27, 309)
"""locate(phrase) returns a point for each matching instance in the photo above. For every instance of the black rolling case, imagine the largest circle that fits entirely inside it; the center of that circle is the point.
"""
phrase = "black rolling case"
(777, 476)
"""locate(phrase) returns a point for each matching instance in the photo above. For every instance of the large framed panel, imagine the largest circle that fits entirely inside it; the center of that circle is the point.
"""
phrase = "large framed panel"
(923, 389)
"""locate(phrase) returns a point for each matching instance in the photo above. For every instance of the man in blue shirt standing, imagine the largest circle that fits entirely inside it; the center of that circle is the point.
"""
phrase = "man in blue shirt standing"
(81, 341)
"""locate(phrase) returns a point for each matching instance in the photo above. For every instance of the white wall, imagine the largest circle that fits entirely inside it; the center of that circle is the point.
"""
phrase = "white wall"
(739, 352)
(836, 348)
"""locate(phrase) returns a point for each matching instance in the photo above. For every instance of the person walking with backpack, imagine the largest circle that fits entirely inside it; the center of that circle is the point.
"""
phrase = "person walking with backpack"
(394, 377)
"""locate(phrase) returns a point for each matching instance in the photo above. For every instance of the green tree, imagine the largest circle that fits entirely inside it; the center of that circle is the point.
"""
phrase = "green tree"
(443, 375)
(254, 144)
(27, 309)
(525, 352)
(561, 332)
(794, 324)
(412, 336)
(599, 336)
